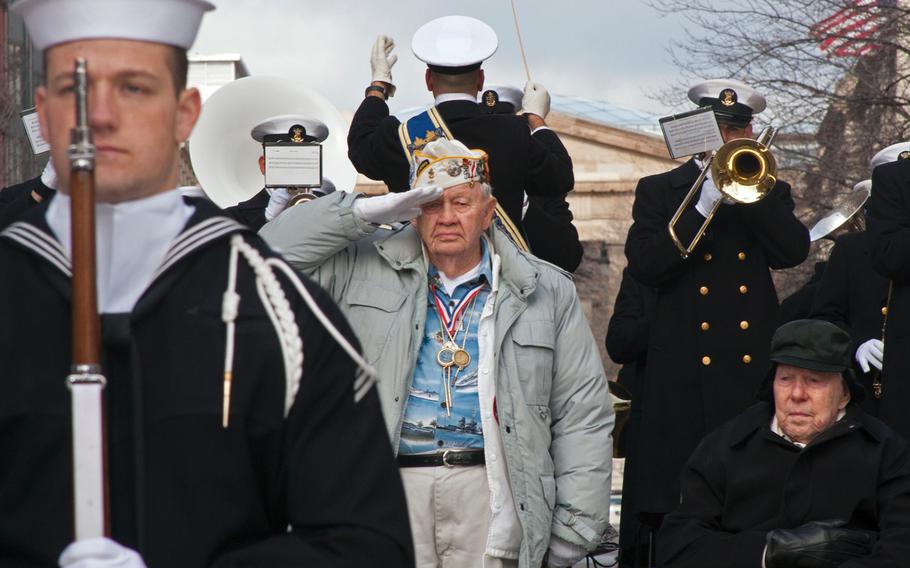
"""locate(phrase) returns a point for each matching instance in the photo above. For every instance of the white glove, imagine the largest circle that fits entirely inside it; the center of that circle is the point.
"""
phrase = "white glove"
(99, 552)
(536, 100)
(872, 353)
(710, 195)
(394, 207)
(381, 62)
(277, 203)
(564, 553)
(49, 175)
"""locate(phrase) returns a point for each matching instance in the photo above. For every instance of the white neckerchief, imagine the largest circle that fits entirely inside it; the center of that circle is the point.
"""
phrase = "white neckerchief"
(775, 427)
(449, 284)
(132, 239)
(444, 98)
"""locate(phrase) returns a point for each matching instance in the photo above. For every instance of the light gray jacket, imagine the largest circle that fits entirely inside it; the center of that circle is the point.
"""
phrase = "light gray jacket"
(552, 402)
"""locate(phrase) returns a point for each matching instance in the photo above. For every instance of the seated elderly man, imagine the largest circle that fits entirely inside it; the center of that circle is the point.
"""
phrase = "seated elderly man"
(491, 384)
(802, 479)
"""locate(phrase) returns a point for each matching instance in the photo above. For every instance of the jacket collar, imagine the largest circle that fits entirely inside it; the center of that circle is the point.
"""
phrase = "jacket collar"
(685, 175)
(758, 417)
(207, 224)
(459, 109)
(403, 250)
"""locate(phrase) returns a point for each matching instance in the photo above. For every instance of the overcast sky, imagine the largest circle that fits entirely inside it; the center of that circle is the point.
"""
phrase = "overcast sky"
(613, 50)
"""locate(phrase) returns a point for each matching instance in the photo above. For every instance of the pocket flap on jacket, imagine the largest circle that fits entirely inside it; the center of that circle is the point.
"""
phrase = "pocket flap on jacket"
(534, 334)
(363, 293)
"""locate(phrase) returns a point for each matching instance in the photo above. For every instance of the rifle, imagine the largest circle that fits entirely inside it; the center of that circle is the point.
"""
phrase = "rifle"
(86, 383)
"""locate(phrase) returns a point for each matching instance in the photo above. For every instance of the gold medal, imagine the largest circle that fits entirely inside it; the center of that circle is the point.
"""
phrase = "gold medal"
(461, 358)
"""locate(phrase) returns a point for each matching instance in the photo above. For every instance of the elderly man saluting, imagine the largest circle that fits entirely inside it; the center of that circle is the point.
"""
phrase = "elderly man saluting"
(490, 380)
(803, 479)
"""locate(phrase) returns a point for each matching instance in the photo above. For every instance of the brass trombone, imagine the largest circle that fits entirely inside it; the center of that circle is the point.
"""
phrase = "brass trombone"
(743, 170)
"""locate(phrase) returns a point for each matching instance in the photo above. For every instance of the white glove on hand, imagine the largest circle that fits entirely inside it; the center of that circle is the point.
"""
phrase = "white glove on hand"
(99, 552)
(872, 353)
(277, 203)
(381, 62)
(394, 207)
(564, 553)
(49, 175)
(536, 100)
(710, 195)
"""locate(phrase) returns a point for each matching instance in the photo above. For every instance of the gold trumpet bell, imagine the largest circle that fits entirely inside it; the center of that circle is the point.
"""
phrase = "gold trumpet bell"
(744, 170)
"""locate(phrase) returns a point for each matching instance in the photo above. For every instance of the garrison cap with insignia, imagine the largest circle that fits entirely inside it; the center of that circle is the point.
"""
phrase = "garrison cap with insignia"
(290, 128)
(171, 22)
(446, 163)
(500, 99)
(893, 153)
(454, 44)
(734, 102)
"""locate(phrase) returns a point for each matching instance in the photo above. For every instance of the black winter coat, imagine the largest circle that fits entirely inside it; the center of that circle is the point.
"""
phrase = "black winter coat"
(853, 296)
(716, 311)
(318, 488)
(744, 480)
(888, 226)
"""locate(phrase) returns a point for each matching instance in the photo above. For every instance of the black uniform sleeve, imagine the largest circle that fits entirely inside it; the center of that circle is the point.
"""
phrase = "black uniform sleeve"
(16, 199)
(783, 237)
(628, 330)
(550, 172)
(374, 147)
(551, 234)
(888, 222)
(832, 296)
(691, 536)
(653, 258)
(345, 503)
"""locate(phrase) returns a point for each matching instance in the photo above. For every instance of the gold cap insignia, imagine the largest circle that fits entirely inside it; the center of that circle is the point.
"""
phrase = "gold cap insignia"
(297, 133)
(728, 97)
(904, 155)
(490, 98)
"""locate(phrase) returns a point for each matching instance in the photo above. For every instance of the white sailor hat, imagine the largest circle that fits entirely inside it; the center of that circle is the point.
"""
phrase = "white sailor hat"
(454, 44)
(893, 153)
(290, 128)
(171, 22)
(734, 102)
(446, 163)
(500, 99)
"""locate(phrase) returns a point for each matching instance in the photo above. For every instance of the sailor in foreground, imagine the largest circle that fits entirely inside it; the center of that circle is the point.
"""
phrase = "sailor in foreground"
(853, 295)
(270, 202)
(888, 228)
(289, 466)
(716, 309)
(525, 155)
(802, 479)
(494, 394)
(547, 220)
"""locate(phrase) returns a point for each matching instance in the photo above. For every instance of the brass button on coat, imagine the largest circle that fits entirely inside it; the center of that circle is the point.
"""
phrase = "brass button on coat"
(747, 359)
(744, 325)
(741, 256)
(708, 256)
(703, 290)
(884, 310)
(743, 289)
(705, 326)
(706, 360)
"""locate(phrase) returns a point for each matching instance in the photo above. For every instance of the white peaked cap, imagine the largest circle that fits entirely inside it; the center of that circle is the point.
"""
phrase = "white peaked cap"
(454, 42)
(893, 153)
(282, 124)
(446, 163)
(171, 22)
(744, 94)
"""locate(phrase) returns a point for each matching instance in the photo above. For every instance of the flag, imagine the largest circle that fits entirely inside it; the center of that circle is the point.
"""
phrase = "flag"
(852, 30)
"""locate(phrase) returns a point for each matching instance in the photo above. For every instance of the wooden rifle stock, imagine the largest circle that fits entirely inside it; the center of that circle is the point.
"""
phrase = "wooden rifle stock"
(86, 383)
